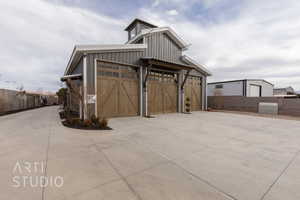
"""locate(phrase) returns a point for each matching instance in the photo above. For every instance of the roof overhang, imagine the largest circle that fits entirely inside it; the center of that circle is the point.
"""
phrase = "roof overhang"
(165, 64)
(198, 67)
(80, 50)
(71, 77)
(167, 30)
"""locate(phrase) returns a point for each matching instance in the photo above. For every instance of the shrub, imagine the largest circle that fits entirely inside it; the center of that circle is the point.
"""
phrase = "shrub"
(77, 121)
(187, 104)
(87, 123)
(62, 114)
(69, 119)
(95, 120)
(103, 123)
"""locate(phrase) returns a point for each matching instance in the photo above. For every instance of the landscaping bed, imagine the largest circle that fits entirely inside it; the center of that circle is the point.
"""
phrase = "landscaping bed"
(71, 120)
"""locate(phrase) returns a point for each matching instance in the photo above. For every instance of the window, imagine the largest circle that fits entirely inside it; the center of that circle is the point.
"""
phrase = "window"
(133, 33)
(141, 41)
(219, 86)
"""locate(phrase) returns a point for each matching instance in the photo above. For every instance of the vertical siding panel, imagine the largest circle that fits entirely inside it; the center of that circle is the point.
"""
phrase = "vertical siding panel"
(162, 47)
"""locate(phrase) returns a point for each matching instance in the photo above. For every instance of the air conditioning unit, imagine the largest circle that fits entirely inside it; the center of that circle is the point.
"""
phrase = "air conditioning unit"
(268, 108)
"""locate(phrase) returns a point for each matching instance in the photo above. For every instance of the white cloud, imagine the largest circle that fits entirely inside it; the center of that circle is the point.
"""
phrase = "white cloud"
(156, 3)
(261, 41)
(172, 12)
(37, 38)
(209, 3)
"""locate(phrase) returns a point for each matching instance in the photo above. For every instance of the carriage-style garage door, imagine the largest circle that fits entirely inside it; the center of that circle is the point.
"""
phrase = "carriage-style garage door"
(192, 90)
(162, 93)
(117, 90)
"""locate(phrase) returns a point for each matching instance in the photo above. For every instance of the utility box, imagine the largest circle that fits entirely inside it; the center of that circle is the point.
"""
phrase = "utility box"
(268, 108)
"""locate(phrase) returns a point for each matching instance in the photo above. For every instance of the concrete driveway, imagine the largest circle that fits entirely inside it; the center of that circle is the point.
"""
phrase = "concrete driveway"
(204, 155)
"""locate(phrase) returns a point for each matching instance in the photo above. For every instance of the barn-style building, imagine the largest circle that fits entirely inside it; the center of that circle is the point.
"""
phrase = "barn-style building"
(145, 76)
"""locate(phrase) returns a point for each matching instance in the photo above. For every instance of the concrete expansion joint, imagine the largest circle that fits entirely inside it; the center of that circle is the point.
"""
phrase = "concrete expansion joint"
(47, 156)
(97, 186)
(229, 196)
(281, 173)
(119, 173)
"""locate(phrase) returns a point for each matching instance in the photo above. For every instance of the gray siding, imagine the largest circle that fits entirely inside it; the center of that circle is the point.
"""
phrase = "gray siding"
(229, 89)
(235, 88)
(160, 46)
(79, 68)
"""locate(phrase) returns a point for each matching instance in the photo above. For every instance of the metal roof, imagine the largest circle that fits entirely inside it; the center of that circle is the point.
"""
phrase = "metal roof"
(141, 21)
(239, 81)
(79, 50)
(198, 67)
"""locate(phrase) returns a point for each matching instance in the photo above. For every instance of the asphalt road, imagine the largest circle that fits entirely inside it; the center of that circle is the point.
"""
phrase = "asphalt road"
(204, 155)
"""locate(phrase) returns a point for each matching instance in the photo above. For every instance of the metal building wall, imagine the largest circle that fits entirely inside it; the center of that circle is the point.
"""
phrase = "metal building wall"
(234, 88)
(266, 88)
(160, 46)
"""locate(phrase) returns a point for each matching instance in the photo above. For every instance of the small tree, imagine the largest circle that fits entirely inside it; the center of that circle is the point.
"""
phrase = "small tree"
(62, 96)
(187, 105)
(75, 90)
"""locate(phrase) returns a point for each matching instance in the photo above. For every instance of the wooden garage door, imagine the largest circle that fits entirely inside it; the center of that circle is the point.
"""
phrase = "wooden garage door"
(162, 93)
(193, 91)
(117, 90)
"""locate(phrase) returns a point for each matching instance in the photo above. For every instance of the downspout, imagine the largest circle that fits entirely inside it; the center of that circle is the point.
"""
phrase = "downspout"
(85, 86)
(206, 101)
(95, 87)
(146, 89)
(141, 90)
(80, 104)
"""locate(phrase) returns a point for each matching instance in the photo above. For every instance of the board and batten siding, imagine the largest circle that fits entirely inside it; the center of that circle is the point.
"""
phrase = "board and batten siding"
(127, 57)
(160, 46)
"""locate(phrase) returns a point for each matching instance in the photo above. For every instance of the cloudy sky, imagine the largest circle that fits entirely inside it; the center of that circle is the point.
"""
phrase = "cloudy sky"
(235, 39)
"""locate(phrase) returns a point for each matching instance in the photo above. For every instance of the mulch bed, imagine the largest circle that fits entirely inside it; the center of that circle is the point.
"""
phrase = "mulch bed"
(77, 126)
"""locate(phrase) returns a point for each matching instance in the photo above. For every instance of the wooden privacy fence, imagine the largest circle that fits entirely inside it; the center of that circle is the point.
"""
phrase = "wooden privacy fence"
(250, 104)
(11, 101)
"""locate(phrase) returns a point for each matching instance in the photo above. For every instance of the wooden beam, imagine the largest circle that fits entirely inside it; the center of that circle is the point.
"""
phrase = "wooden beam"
(185, 78)
(147, 74)
(174, 66)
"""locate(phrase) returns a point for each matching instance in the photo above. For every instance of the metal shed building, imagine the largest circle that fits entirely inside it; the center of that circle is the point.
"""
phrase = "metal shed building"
(147, 75)
(246, 87)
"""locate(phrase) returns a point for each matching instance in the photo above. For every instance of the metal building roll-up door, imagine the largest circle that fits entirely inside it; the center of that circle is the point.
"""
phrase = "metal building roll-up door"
(117, 90)
(193, 91)
(255, 91)
(162, 93)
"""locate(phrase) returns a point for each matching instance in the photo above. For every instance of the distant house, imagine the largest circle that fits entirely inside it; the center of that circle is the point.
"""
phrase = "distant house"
(284, 91)
(149, 74)
(246, 87)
